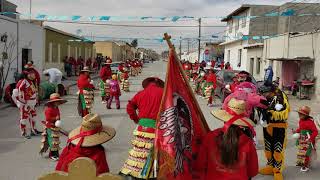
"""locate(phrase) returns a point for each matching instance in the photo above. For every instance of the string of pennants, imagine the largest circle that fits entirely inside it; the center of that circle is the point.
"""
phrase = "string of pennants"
(76, 18)
(244, 37)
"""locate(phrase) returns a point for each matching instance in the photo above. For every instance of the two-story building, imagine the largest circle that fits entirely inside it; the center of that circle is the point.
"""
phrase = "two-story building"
(249, 25)
(243, 53)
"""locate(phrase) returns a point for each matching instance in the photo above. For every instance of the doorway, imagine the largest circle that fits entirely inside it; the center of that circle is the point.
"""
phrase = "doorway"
(251, 65)
(26, 56)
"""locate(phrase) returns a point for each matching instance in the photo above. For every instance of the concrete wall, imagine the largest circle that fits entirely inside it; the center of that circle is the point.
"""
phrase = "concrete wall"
(58, 46)
(25, 36)
(255, 60)
(307, 45)
(299, 23)
(262, 26)
(243, 27)
(32, 37)
(234, 55)
(110, 49)
(10, 27)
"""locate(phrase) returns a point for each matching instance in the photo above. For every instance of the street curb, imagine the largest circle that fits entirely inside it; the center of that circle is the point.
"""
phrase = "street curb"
(5, 106)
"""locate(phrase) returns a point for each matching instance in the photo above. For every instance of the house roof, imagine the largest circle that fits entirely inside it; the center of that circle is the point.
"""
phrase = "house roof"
(292, 59)
(65, 33)
(255, 45)
(230, 42)
(242, 8)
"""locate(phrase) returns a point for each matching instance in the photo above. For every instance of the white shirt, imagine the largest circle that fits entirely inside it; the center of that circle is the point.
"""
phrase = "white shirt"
(55, 75)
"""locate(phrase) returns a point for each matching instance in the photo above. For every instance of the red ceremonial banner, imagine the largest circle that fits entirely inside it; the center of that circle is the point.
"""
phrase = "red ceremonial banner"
(180, 128)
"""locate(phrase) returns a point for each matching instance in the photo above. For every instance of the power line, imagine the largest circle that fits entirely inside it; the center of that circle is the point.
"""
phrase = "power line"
(277, 8)
(132, 25)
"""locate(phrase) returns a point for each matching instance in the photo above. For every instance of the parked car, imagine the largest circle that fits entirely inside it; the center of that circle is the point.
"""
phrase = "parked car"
(224, 77)
(115, 67)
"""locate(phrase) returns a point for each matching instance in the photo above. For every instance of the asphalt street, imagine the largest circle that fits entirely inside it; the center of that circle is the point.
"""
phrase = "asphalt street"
(20, 160)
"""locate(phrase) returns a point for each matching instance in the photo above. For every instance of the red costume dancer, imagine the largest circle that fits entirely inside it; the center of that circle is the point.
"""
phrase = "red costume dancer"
(187, 67)
(25, 97)
(36, 73)
(222, 65)
(147, 102)
(50, 136)
(124, 78)
(115, 92)
(36, 81)
(89, 63)
(220, 159)
(211, 85)
(213, 63)
(105, 74)
(195, 70)
(86, 92)
(95, 66)
(306, 142)
(86, 141)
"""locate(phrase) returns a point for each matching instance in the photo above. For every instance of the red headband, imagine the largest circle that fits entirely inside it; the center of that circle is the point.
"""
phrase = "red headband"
(234, 118)
(84, 134)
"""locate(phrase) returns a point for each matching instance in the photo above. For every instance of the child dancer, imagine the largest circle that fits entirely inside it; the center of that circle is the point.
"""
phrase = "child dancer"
(306, 136)
(115, 92)
(51, 133)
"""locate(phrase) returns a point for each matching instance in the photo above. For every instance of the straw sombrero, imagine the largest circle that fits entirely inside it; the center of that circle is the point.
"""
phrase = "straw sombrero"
(237, 107)
(92, 123)
(85, 69)
(305, 110)
(108, 61)
(55, 97)
(155, 80)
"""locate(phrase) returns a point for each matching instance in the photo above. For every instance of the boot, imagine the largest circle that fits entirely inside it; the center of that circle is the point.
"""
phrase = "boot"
(268, 170)
(278, 176)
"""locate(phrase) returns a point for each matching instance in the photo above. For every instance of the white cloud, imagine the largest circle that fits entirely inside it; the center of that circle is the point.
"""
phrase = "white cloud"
(196, 8)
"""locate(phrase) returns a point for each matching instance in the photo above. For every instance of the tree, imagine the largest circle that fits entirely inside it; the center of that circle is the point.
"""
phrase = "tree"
(134, 43)
(7, 57)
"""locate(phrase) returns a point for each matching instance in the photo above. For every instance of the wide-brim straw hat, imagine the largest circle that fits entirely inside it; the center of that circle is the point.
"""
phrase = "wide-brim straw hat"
(236, 106)
(305, 110)
(156, 80)
(55, 97)
(108, 61)
(91, 122)
(85, 69)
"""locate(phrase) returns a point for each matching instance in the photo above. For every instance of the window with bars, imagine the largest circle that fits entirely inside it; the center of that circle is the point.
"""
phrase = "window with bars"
(244, 19)
(237, 23)
(239, 57)
(230, 24)
(258, 65)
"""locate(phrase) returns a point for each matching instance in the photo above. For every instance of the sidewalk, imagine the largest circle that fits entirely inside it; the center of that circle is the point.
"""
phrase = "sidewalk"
(314, 104)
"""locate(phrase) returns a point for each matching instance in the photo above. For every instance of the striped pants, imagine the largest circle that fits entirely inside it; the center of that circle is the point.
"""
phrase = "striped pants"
(275, 144)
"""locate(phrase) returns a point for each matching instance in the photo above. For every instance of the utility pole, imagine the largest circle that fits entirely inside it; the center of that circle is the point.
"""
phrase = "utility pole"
(30, 11)
(199, 40)
(188, 46)
(180, 47)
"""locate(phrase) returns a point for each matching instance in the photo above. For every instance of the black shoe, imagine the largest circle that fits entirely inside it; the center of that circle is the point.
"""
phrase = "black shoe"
(37, 132)
(25, 135)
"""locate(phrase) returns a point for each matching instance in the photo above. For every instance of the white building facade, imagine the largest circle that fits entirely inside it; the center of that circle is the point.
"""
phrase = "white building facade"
(27, 44)
(242, 53)
(294, 57)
